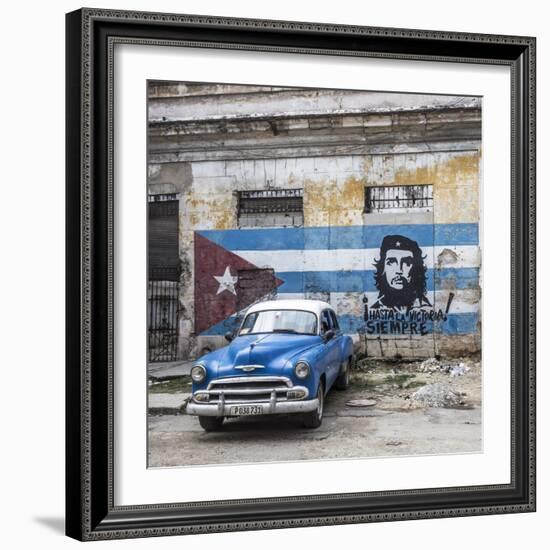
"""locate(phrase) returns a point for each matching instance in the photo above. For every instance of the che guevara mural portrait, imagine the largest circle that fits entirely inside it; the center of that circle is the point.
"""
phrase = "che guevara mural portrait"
(400, 275)
(402, 299)
(365, 201)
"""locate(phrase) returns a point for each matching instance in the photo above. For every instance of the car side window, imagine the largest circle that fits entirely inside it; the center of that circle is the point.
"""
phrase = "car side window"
(248, 323)
(334, 320)
(325, 322)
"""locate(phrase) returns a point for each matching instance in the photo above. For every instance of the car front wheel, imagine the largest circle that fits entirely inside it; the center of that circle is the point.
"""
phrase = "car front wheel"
(314, 418)
(210, 423)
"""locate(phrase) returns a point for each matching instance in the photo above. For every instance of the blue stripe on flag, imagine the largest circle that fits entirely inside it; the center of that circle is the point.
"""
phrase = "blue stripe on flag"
(363, 281)
(352, 237)
(463, 323)
(456, 323)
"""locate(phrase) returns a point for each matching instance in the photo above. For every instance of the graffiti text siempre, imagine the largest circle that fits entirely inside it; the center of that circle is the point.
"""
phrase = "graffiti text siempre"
(389, 321)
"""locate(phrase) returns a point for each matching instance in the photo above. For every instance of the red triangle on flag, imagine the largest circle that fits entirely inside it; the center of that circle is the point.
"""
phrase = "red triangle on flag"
(225, 283)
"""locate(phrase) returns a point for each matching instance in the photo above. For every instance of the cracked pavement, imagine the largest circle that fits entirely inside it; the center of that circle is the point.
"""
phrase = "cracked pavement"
(389, 428)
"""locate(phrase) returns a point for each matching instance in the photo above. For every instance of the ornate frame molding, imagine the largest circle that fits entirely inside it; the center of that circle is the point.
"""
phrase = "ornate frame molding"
(91, 37)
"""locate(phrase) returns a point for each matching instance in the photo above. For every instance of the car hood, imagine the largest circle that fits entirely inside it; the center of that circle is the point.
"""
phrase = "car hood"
(271, 351)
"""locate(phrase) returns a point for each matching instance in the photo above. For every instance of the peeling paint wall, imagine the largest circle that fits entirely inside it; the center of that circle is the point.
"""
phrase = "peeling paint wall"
(333, 163)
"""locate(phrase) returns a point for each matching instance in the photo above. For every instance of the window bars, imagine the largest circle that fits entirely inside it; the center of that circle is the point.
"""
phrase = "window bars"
(399, 197)
(271, 201)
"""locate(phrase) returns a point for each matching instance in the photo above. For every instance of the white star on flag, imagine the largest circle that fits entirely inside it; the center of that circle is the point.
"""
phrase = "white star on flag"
(227, 281)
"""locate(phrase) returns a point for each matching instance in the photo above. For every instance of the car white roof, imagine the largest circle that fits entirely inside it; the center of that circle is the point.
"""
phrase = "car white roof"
(315, 306)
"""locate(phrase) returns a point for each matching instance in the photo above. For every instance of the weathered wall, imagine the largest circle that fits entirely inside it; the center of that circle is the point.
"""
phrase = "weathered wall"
(332, 255)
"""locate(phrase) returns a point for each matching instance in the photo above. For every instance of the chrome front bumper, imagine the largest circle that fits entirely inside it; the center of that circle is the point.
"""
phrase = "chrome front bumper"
(224, 409)
(273, 394)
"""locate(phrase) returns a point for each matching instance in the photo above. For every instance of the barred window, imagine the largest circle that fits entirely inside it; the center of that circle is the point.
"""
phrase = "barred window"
(163, 255)
(271, 201)
(271, 207)
(399, 197)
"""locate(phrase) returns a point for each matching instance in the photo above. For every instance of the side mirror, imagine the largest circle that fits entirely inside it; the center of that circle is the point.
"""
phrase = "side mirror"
(229, 336)
(329, 335)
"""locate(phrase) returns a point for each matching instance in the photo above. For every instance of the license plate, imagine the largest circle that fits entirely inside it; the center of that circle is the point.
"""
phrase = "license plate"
(246, 410)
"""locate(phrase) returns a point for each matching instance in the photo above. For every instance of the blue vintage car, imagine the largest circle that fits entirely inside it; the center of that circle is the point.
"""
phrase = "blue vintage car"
(285, 357)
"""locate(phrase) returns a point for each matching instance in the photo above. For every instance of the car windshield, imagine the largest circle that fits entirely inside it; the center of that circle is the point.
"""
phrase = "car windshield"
(280, 320)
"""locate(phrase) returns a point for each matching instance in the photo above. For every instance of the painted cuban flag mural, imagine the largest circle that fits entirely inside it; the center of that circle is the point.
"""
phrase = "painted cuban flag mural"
(397, 280)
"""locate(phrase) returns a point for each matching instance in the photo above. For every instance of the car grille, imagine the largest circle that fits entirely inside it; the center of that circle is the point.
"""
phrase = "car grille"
(253, 389)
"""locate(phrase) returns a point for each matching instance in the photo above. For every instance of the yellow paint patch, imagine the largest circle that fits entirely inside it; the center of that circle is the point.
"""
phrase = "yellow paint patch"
(208, 212)
(455, 178)
(317, 196)
(334, 203)
(225, 219)
(448, 170)
(352, 193)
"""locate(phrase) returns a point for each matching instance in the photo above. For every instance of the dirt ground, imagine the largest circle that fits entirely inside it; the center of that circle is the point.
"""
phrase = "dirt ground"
(394, 421)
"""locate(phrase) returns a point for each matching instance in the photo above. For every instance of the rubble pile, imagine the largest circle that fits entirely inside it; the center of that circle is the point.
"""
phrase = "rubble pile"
(437, 395)
(451, 368)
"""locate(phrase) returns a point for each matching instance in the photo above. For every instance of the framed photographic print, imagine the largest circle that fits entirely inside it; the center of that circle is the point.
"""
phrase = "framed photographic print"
(300, 274)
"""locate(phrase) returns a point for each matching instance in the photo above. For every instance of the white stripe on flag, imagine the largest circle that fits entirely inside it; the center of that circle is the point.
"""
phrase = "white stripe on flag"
(346, 303)
(354, 259)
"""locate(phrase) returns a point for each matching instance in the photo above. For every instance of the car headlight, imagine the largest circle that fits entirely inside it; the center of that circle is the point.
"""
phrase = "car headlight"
(198, 373)
(301, 369)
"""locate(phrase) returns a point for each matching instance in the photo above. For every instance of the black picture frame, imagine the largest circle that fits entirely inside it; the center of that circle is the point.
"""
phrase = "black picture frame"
(90, 510)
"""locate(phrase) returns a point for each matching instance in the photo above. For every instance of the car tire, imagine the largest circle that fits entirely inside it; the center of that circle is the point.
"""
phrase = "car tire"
(211, 423)
(314, 418)
(342, 382)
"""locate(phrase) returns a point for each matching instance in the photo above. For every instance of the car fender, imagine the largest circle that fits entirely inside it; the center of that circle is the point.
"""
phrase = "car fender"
(346, 350)
(347, 347)
(313, 357)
